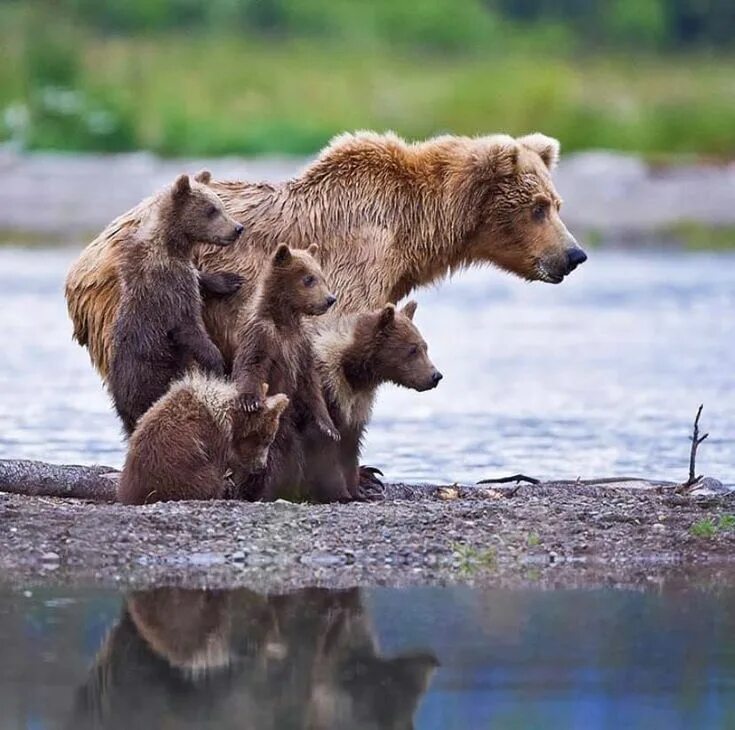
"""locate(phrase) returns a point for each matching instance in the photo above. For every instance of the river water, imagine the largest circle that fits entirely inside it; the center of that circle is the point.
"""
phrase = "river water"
(599, 376)
(368, 659)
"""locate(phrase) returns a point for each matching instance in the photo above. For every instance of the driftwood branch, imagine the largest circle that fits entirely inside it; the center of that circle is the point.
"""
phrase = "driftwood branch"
(513, 478)
(36, 478)
(696, 440)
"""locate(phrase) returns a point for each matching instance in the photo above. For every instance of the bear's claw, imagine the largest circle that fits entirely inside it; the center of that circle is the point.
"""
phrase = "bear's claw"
(370, 488)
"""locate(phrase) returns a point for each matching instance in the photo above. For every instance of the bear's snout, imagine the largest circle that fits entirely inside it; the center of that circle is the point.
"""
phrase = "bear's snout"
(428, 383)
(575, 257)
(330, 300)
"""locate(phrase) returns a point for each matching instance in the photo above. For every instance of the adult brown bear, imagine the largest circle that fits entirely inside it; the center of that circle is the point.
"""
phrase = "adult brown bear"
(388, 217)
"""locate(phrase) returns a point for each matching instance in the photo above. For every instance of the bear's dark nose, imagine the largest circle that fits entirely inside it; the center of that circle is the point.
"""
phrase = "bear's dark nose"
(239, 228)
(575, 257)
(436, 377)
(331, 299)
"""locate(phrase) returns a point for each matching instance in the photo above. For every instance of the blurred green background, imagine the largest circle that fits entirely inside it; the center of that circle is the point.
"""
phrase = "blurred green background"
(183, 77)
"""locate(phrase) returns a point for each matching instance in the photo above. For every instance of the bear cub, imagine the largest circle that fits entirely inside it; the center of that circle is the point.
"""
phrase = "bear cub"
(185, 443)
(159, 331)
(273, 346)
(353, 359)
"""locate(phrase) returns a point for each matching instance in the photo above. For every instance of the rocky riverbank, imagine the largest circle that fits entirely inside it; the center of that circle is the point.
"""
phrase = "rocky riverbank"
(46, 197)
(552, 534)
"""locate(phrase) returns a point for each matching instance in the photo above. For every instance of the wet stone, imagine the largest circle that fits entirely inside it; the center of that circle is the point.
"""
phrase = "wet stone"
(203, 559)
(323, 559)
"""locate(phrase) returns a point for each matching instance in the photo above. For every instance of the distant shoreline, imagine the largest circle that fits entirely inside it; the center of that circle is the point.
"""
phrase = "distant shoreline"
(609, 197)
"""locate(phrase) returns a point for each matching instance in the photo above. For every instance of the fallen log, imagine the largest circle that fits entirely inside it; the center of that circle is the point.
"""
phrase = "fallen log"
(37, 478)
(98, 484)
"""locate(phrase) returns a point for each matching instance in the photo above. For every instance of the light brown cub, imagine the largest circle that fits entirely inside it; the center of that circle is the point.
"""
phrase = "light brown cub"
(184, 444)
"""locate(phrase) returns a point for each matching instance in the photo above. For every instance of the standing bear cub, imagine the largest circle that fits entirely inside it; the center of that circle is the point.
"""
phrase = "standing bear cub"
(185, 443)
(274, 347)
(159, 331)
(354, 357)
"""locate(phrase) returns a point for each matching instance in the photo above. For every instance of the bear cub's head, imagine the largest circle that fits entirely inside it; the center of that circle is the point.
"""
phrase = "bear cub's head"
(198, 215)
(299, 281)
(253, 431)
(393, 350)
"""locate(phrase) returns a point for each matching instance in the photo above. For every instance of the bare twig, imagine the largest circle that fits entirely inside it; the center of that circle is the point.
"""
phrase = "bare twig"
(514, 478)
(696, 440)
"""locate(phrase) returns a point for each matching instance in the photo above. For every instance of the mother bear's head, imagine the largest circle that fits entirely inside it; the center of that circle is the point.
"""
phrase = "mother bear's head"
(505, 186)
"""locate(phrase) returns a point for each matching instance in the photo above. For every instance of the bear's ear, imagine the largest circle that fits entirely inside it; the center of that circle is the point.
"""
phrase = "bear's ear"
(387, 316)
(313, 250)
(282, 256)
(276, 404)
(409, 309)
(504, 157)
(182, 187)
(204, 177)
(547, 148)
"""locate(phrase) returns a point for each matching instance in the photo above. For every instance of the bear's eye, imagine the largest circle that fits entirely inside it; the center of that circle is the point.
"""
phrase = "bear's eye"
(211, 211)
(413, 351)
(309, 280)
(540, 211)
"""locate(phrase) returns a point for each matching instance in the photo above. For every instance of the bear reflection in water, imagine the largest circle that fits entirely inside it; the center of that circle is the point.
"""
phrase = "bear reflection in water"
(235, 659)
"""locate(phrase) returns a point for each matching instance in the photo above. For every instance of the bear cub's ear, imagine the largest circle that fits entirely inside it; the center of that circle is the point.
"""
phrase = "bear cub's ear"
(409, 309)
(387, 316)
(313, 250)
(204, 177)
(282, 256)
(182, 187)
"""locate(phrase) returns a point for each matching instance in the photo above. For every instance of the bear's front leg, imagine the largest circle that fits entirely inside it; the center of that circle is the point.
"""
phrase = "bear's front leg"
(310, 400)
(194, 339)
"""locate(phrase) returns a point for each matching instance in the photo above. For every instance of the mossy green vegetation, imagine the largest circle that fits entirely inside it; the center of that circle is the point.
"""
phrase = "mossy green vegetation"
(709, 527)
(696, 236)
(470, 560)
(70, 86)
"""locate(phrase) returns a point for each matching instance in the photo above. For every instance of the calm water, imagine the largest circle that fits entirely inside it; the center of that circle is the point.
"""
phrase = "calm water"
(368, 659)
(599, 376)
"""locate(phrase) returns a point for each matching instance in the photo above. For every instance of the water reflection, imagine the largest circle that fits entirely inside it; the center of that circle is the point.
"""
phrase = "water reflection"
(232, 659)
(430, 658)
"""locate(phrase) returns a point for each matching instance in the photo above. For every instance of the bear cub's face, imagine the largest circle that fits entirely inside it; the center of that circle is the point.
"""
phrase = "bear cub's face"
(253, 432)
(301, 281)
(201, 214)
(401, 354)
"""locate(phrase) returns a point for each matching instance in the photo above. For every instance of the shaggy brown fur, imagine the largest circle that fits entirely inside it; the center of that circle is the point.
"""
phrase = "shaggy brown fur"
(159, 330)
(274, 347)
(185, 443)
(354, 358)
(389, 216)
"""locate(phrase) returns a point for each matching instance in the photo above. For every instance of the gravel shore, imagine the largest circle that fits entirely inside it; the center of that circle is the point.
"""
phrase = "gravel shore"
(550, 535)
